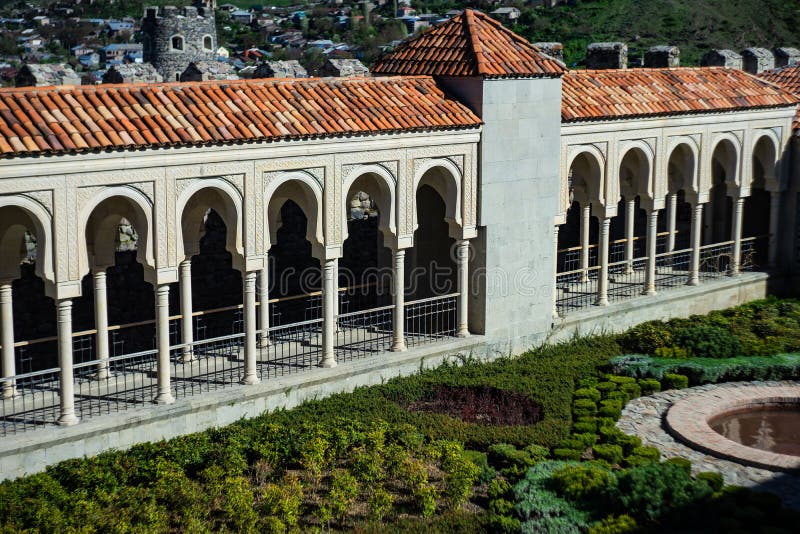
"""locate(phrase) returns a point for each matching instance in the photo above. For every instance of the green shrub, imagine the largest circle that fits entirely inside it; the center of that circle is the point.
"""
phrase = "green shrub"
(604, 422)
(622, 524)
(608, 452)
(481, 461)
(675, 381)
(646, 337)
(583, 408)
(620, 380)
(567, 454)
(499, 488)
(714, 480)
(460, 473)
(614, 436)
(649, 386)
(572, 443)
(682, 463)
(503, 455)
(632, 389)
(652, 491)
(705, 341)
(610, 408)
(540, 508)
(380, 504)
(643, 455)
(605, 388)
(581, 481)
(677, 353)
(588, 382)
(587, 393)
(585, 426)
(587, 439)
(620, 396)
(283, 501)
(537, 452)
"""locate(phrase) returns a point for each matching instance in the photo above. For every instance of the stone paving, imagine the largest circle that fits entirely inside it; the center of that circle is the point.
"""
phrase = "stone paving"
(645, 417)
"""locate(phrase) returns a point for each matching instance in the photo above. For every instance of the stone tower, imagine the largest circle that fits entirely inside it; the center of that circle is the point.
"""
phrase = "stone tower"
(175, 37)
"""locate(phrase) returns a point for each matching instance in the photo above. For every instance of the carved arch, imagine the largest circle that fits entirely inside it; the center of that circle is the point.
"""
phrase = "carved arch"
(644, 159)
(446, 181)
(117, 202)
(593, 186)
(690, 159)
(769, 161)
(193, 203)
(381, 186)
(730, 160)
(303, 189)
(41, 224)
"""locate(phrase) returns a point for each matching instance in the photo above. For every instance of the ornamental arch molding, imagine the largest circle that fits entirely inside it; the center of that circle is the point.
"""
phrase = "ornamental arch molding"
(446, 179)
(194, 201)
(726, 150)
(304, 189)
(379, 183)
(12, 234)
(766, 152)
(586, 177)
(635, 170)
(101, 215)
(682, 168)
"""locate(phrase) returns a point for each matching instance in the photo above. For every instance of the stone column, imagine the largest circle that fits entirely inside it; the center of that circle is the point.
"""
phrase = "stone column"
(602, 279)
(101, 321)
(555, 272)
(399, 316)
(164, 395)
(774, 221)
(672, 213)
(329, 290)
(263, 295)
(630, 220)
(187, 324)
(697, 234)
(652, 226)
(7, 321)
(586, 218)
(738, 204)
(250, 330)
(462, 257)
(67, 381)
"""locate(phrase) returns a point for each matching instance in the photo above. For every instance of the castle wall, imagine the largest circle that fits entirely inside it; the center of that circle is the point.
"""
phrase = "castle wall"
(159, 28)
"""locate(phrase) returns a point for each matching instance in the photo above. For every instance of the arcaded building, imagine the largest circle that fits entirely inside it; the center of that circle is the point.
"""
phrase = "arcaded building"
(185, 254)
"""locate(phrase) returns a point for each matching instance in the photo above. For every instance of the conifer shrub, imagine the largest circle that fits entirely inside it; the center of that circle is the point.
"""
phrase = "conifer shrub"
(581, 481)
(705, 341)
(585, 425)
(587, 393)
(675, 381)
(714, 480)
(649, 386)
(681, 463)
(615, 524)
(583, 408)
(609, 452)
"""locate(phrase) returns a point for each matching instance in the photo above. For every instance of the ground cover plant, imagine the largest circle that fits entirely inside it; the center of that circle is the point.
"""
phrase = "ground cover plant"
(528, 443)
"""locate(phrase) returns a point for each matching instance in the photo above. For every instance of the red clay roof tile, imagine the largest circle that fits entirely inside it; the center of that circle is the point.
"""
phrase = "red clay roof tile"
(75, 119)
(789, 79)
(615, 94)
(470, 44)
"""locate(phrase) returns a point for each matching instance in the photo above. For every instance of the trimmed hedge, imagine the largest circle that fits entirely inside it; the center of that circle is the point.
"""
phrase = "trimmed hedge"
(711, 370)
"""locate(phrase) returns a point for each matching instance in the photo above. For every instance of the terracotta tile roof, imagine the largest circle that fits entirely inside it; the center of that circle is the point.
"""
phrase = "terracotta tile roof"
(789, 79)
(470, 44)
(85, 118)
(614, 94)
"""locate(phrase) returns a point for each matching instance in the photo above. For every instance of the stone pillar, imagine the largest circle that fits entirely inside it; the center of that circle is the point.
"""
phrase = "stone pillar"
(187, 324)
(67, 382)
(630, 219)
(602, 279)
(462, 257)
(7, 325)
(329, 299)
(101, 321)
(774, 221)
(672, 213)
(263, 295)
(697, 234)
(586, 219)
(250, 330)
(164, 395)
(555, 271)
(738, 204)
(652, 236)
(399, 317)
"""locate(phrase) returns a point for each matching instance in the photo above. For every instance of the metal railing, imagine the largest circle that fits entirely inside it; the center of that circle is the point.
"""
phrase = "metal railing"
(292, 348)
(577, 289)
(35, 403)
(431, 319)
(364, 333)
(569, 259)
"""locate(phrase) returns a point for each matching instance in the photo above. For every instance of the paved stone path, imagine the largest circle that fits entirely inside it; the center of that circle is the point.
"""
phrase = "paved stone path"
(644, 417)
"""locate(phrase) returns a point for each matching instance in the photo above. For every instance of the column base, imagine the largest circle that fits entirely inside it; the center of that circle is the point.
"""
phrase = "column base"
(327, 363)
(264, 342)
(399, 346)
(250, 380)
(164, 398)
(733, 274)
(463, 333)
(67, 420)
(601, 302)
(9, 392)
(693, 282)
(187, 357)
(649, 292)
(102, 375)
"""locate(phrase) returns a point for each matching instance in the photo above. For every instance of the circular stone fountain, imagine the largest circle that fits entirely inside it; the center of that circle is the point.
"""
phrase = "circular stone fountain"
(757, 425)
